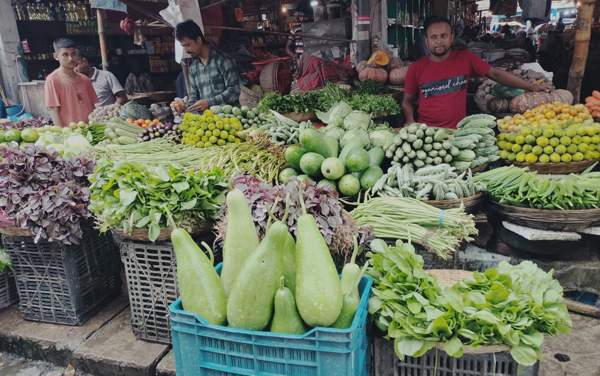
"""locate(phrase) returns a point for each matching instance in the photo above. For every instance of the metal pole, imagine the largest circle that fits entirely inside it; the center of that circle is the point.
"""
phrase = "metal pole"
(102, 38)
(364, 27)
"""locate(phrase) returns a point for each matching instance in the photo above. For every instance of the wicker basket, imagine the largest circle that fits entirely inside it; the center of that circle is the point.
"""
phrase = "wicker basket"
(554, 168)
(141, 234)
(471, 203)
(299, 117)
(268, 76)
(554, 220)
(249, 97)
(482, 104)
(14, 231)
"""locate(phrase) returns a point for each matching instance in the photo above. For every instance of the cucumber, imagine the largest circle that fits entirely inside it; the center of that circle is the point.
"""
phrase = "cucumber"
(376, 155)
(293, 154)
(334, 145)
(370, 177)
(354, 143)
(310, 164)
(312, 141)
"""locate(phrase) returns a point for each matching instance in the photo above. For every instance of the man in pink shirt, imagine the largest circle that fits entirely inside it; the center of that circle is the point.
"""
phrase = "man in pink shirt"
(69, 95)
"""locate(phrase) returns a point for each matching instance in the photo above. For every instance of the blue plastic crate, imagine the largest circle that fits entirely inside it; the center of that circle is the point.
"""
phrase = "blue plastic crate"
(202, 349)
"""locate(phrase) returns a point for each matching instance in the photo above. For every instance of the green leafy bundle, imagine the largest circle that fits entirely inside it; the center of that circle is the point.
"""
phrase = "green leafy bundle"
(374, 87)
(129, 195)
(511, 305)
(5, 260)
(374, 105)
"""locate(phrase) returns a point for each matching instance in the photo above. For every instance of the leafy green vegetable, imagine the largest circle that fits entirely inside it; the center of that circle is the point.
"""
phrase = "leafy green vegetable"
(374, 105)
(512, 305)
(129, 195)
(5, 260)
(374, 87)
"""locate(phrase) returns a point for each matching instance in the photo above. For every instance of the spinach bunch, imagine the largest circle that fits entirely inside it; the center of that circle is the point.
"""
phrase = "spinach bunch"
(284, 104)
(374, 105)
(130, 195)
(511, 305)
(374, 87)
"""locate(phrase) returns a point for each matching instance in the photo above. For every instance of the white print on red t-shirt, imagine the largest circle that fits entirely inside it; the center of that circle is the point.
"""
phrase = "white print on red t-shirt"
(444, 86)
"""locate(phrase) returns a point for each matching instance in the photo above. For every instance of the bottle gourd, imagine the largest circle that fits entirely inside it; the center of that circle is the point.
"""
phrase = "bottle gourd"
(286, 319)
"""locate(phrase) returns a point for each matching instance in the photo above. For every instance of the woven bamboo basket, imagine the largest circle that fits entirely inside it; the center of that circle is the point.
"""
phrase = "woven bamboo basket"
(482, 104)
(268, 75)
(141, 234)
(299, 117)
(14, 231)
(554, 168)
(447, 277)
(249, 97)
(554, 220)
(471, 203)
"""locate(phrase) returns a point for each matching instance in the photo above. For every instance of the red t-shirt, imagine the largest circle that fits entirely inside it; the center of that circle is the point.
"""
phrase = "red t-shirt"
(75, 99)
(442, 87)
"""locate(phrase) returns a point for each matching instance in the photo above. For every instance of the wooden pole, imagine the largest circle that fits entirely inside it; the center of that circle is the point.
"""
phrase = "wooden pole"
(102, 38)
(583, 27)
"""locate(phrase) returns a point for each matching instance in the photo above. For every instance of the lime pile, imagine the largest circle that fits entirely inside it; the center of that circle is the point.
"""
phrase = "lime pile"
(207, 130)
(551, 143)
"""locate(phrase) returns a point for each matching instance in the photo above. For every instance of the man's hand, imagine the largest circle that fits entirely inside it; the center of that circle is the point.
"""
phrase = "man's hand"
(295, 57)
(200, 106)
(543, 87)
(408, 122)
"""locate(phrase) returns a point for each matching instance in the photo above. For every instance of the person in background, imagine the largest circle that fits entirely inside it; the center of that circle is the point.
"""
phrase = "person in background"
(521, 36)
(295, 44)
(441, 78)
(69, 95)
(107, 87)
(506, 30)
(115, 67)
(560, 26)
(213, 74)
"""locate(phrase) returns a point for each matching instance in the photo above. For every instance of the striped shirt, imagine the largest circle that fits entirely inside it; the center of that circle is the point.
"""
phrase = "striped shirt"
(297, 39)
(217, 81)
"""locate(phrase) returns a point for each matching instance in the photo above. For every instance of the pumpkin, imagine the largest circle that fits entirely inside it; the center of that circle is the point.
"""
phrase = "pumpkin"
(362, 65)
(378, 59)
(389, 53)
(378, 74)
(398, 75)
(395, 62)
(528, 100)
(498, 105)
(563, 96)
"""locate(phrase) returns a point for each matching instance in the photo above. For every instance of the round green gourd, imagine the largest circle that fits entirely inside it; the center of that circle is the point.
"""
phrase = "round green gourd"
(286, 319)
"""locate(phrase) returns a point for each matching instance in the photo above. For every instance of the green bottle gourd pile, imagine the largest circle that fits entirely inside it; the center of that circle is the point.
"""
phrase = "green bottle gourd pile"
(251, 292)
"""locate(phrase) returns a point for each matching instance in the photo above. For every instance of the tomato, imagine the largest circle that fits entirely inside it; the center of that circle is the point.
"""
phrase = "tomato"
(129, 120)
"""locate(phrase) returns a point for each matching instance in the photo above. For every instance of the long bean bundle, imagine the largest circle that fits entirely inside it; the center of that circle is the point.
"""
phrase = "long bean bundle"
(410, 219)
(258, 156)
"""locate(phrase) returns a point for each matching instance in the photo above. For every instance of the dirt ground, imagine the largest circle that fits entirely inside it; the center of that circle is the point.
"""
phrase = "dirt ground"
(575, 354)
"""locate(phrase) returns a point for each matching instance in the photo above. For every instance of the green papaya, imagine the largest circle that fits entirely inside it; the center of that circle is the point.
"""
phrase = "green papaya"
(200, 287)
(318, 288)
(286, 319)
(241, 238)
(250, 304)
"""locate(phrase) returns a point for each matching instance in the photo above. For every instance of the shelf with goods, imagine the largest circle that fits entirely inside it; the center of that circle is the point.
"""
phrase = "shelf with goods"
(409, 16)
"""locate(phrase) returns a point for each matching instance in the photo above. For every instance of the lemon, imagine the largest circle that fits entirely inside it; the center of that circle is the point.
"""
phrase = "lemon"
(588, 155)
(577, 157)
(208, 113)
(572, 149)
(592, 147)
(544, 158)
(500, 137)
(231, 138)
(196, 138)
(226, 121)
(512, 137)
(595, 155)
(208, 133)
(204, 138)
(193, 130)
(542, 141)
(527, 148)
(548, 150)
(576, 140)
(501, 144)
(571, 132)
(186, 140)
(565, 140)
(530, 139)
(537, 150)
(237, 140)
(217, 118)
(554, 158)
(200, 132)
(221, 142)
(207, 145)
(566, 158)
(548, 132)
(582, 148)
(504, 154)
(226, 126)
(559, 133)
(508, 146)
(570, 122)
(526, 131)
(537, 132)
(200, 145)
(520, 157)
(204, 126)
(516, 148)
(232, 131)
(224, 134)
(581, 131)
(554, 141)
(531, 158)
(212, 140)
(560, 149)
(520, 140)
(590, 131)
(202, 119)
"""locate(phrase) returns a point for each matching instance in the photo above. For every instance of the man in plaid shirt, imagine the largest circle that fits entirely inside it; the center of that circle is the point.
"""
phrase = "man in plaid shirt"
(213, 75)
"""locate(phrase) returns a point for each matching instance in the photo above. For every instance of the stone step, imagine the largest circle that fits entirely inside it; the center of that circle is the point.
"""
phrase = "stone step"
(166, 367)
(51, 342)
(114, 351)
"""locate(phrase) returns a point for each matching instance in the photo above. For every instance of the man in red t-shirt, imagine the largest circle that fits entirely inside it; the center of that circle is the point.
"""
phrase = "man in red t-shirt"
(441, 79)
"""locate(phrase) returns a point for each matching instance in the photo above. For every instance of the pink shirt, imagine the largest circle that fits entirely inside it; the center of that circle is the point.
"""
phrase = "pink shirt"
(75, 99)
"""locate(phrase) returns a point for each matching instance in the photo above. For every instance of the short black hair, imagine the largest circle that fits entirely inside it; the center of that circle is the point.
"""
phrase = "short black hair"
(435, 19)
(189, 29)
(82, 55)
(304, 7)
(62, 43)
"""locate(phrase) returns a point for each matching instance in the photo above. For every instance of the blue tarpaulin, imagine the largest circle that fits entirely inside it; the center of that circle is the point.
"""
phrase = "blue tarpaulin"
(110, 5)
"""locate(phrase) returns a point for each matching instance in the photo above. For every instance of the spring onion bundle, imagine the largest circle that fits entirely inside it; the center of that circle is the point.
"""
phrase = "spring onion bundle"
(439, 231)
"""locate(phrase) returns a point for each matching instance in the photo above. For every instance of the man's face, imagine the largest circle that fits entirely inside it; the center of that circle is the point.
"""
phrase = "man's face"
(83, 66)
(439, 38)
(191, 46)
(302, 17)
(67, 57)
(114, 61)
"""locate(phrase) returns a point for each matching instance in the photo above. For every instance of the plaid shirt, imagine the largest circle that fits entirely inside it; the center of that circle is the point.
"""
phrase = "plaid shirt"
(217, 81)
